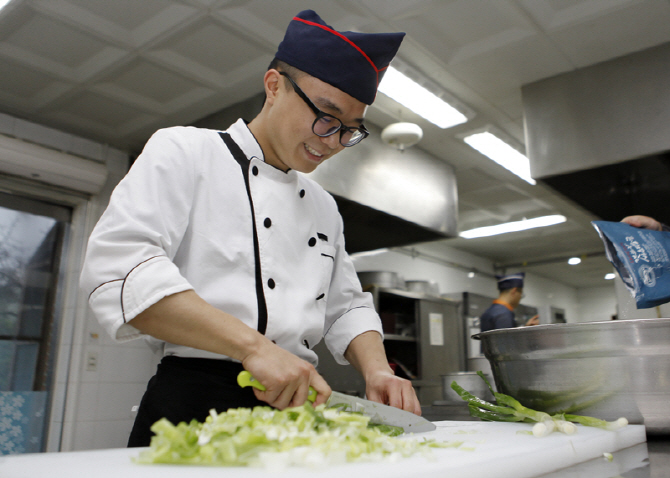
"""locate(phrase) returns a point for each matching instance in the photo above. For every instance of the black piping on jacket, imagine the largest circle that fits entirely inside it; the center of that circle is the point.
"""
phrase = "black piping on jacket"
(244, 163)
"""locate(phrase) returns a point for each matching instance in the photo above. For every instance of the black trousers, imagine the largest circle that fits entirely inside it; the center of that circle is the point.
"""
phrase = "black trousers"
(184, 389)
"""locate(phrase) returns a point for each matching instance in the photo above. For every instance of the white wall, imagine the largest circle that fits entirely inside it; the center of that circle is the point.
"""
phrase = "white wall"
(597, 304)
(105, 396)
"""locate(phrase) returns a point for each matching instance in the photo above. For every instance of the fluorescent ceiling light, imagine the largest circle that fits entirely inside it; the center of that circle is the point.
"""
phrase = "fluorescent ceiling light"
(3, 3)
(573, 261)
(408, 93)
(515, 226)
(502, 153)
(609, 276)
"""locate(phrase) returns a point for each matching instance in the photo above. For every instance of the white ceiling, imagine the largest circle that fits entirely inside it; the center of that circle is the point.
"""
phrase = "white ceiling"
(117, 70)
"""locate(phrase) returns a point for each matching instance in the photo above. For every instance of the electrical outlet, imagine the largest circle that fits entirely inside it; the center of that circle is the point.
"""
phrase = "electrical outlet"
(92, 362)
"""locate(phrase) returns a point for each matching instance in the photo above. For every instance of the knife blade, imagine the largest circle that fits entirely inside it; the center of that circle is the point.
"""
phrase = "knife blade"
(381, 414)
(378, 413)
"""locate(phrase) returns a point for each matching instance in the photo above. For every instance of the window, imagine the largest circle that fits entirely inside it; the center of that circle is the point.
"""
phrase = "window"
(31, 242)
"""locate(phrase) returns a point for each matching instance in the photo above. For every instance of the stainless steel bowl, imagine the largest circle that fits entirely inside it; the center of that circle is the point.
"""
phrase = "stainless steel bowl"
(602, 369)
(388, 279)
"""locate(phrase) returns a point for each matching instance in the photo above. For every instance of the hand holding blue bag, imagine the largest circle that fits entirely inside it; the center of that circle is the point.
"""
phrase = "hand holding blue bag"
(642, 259)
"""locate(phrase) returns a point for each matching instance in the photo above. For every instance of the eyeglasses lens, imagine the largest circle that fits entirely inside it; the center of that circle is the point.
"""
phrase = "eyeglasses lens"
(351, 138)
(326, 125)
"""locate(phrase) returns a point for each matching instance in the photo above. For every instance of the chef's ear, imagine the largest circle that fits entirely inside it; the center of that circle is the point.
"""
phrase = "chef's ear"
(272, 82)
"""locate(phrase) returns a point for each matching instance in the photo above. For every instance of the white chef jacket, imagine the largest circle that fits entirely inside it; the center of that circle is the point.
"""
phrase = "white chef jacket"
(181, 219)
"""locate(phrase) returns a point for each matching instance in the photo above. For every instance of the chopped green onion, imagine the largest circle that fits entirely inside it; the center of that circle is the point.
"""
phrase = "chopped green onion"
(266, 437)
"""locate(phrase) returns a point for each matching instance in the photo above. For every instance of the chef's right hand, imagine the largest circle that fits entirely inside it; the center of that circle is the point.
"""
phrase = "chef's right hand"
(285, 376)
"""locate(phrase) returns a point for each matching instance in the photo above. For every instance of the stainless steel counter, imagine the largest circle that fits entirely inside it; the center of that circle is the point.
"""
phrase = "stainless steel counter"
(646, 460)
(659, 457)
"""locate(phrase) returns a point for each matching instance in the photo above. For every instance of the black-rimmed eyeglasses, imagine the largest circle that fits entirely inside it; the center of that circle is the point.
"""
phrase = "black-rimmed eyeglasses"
(327, 125)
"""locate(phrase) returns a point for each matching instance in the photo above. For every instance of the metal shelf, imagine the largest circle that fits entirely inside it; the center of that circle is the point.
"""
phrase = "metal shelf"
(399, 338)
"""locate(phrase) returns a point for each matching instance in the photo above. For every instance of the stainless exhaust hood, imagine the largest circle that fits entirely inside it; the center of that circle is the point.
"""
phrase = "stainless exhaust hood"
(387, 198)
(601, 135)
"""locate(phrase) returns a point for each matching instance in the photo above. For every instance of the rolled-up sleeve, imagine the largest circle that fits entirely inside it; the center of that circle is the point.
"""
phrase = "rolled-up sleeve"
(117, 302)
(128, 264)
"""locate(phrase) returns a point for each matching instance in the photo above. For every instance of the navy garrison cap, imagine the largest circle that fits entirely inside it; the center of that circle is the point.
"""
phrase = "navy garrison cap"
(350, 61)
(510, 281)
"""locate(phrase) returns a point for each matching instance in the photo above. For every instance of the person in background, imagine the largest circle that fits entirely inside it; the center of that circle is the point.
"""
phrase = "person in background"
(220, 250)
(645, 222)
(500, 315)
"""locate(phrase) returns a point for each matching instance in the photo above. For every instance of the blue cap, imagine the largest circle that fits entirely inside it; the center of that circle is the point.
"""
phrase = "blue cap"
(352, 62)
(510, 281)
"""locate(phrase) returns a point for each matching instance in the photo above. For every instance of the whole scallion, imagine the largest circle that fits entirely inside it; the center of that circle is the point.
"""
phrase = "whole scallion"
(508, 409)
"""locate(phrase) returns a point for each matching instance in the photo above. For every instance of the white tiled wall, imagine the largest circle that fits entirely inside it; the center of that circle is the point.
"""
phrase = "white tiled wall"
(112, 379)
(106, 379)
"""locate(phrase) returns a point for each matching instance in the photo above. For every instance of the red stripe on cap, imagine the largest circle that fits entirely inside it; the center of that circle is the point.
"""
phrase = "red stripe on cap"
(330, 30)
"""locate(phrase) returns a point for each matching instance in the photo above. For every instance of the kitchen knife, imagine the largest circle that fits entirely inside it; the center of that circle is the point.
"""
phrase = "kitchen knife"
(378, 413)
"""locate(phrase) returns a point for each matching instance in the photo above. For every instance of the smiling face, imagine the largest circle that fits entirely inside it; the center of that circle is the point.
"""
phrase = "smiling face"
(286, 134)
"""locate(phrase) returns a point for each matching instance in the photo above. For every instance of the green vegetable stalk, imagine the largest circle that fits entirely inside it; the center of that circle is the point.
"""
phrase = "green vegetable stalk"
(508, 409)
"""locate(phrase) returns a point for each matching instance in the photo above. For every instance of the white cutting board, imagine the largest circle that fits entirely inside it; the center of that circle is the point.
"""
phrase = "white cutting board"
(488, 449)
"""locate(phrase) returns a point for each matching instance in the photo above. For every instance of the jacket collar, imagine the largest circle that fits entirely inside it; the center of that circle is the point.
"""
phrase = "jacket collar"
(502, 302)
(245, 139)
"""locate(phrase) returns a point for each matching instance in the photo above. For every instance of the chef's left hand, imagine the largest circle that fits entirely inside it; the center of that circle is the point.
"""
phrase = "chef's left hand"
(366, 353)
(389, 389)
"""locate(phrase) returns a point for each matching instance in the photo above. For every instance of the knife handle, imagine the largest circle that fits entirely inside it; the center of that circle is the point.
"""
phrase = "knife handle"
(245, 379)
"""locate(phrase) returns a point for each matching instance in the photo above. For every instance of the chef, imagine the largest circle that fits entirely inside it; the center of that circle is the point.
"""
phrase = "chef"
(216, 247)
(500, 315)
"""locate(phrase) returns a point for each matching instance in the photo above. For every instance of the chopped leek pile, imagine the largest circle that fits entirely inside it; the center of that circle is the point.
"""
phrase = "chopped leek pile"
(508, 409)
(270, 438)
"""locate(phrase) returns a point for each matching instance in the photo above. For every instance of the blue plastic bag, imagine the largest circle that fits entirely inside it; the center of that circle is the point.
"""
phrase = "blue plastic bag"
(642, 259)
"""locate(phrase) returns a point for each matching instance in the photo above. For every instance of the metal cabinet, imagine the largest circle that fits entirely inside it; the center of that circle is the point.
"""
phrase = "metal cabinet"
(422, 337)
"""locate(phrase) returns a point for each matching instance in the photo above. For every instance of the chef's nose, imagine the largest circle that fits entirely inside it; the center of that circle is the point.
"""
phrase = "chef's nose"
(332, 141)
